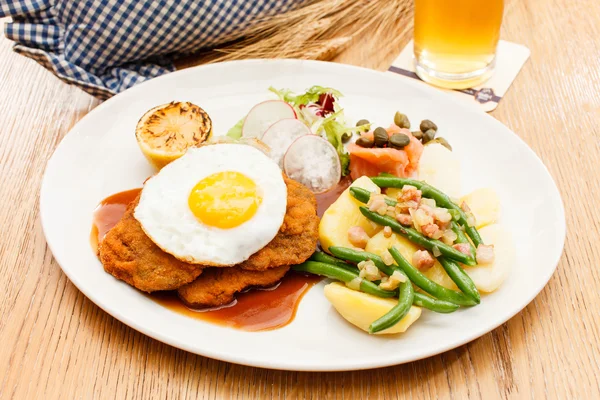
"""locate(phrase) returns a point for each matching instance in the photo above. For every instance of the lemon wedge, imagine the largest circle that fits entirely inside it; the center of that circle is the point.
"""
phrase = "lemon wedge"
(164, 133)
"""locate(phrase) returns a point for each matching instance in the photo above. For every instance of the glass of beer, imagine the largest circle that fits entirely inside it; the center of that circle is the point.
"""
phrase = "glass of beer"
(455, 41)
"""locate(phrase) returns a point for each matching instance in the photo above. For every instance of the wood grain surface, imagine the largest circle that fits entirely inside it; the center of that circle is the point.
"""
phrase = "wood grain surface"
(55, 343)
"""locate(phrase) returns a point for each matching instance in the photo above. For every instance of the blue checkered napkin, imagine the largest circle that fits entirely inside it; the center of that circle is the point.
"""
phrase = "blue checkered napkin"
(107, 46)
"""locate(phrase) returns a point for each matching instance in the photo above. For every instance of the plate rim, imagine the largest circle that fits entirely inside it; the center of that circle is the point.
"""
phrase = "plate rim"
(290, 366)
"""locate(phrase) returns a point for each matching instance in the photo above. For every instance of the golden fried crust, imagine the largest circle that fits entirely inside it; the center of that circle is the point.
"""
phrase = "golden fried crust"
(130, 255)
(298, 235)
(218, 286)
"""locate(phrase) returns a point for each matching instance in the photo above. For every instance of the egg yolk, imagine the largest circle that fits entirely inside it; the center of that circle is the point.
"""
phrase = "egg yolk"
(225, 199)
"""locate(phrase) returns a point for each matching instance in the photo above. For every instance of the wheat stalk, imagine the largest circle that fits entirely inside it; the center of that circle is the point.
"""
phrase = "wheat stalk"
(321, 29)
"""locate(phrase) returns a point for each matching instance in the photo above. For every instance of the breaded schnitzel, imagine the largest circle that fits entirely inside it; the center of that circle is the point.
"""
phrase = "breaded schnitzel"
(298, 235)
(218, 286)
(131, 256)
(295, 243)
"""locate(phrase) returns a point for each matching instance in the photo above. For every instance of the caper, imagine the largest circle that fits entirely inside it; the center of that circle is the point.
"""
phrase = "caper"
(427, 125)
(441, 141)
(365, 142)
(362, 122)
(428, 135)
(346, 136)
(381, 137)
(417, 134)
(401, 120)
(399, 140)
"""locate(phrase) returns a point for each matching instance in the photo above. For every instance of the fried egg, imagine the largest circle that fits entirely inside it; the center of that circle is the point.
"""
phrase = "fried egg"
(216, 205)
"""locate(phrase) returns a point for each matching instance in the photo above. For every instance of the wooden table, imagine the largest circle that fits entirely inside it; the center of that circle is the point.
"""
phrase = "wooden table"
(55, 343)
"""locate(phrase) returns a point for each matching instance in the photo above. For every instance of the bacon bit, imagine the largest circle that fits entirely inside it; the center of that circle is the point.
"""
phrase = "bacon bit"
(409, 193)
(358, 237)
(485, 254)
(432, 231)
(463, 248)
(387, 232)
(423, 260)
(404, 219)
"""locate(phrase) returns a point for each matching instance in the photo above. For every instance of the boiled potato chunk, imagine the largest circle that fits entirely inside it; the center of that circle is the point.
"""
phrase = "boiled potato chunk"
(485, 206)
(440, 168)
(343, 215)
(361, 309)
(379, 244)
(438, 274)
(486, 277)
(489, 277)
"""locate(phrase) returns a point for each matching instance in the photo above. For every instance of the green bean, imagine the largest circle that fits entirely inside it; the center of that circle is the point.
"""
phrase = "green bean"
(440, 198)
(428, 285)
(395, 315)
(439, 306)
(341, 274)
(357, 256)
(363, 195)
(414, 236)
(462, 238)
(326, 258)
(460, 277)
(420, 299)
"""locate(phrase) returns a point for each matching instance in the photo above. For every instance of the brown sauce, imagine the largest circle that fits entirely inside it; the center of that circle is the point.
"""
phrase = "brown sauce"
(324, 200)
(253, 310)
(108, 213)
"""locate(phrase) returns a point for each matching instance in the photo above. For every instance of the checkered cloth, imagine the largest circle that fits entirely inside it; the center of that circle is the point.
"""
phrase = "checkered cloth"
(107, 46)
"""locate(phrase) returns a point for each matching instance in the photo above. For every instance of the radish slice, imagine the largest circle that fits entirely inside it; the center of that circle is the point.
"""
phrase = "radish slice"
(265, 114)
(280, 136)
(313, 161)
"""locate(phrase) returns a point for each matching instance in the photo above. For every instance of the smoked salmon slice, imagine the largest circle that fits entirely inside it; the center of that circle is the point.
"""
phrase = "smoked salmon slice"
(373, 161)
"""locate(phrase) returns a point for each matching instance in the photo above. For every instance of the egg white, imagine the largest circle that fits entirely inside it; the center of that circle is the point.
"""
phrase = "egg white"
(165, 216)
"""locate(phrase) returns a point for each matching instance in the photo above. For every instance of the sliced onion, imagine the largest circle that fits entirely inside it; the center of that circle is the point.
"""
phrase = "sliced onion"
(354, 284)
(449, 237)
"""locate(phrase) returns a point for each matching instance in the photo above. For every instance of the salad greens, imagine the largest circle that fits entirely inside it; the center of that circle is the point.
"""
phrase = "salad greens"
(236, 131)
(312, 95)
(318, 109)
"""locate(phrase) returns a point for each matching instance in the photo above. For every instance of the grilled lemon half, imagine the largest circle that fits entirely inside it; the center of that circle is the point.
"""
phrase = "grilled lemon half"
(164, 133)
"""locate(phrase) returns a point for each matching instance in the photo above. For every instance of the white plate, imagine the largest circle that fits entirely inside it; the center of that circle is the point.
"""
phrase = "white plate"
(100, 157)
